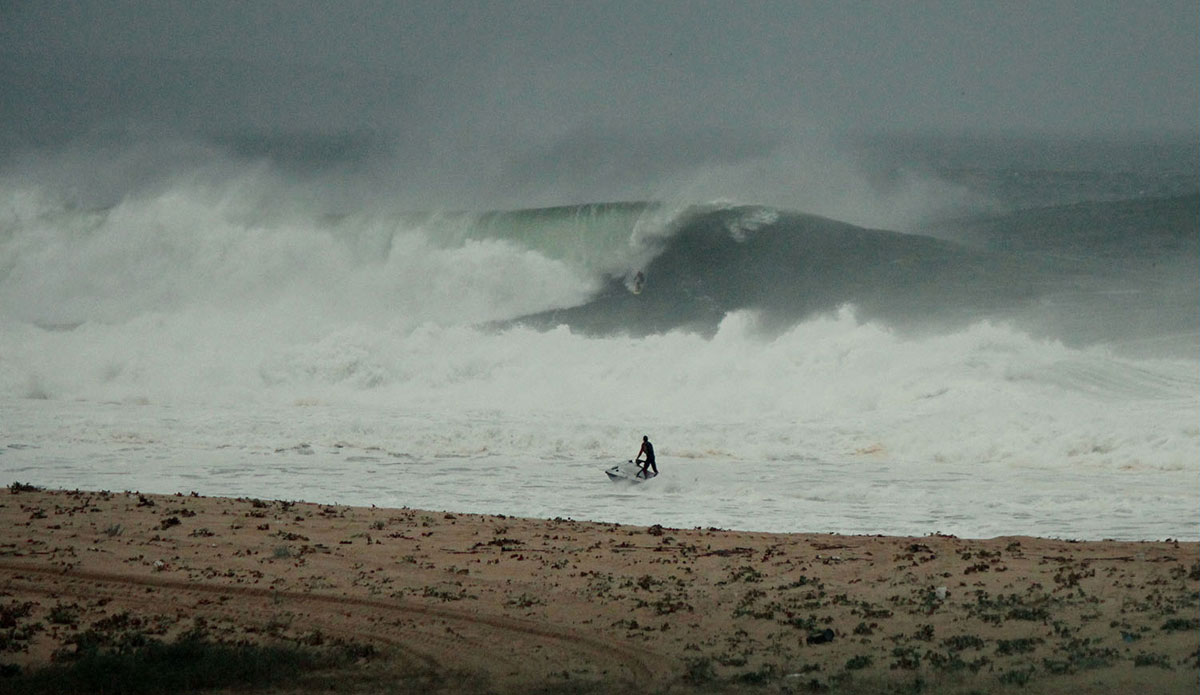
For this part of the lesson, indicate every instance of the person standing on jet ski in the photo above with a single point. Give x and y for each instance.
(647, 450)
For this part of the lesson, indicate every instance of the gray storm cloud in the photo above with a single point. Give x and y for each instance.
(553, 101)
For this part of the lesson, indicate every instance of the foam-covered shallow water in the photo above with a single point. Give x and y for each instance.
(835, 426)
(292, 452)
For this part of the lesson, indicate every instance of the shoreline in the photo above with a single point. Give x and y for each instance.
(506, 604)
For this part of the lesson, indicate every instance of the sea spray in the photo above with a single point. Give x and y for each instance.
(796, 372)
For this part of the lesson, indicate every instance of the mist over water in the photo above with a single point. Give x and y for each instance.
(943, 346)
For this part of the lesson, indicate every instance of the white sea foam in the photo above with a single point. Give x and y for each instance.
(185, 342)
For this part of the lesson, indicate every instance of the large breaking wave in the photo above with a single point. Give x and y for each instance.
(207, 334)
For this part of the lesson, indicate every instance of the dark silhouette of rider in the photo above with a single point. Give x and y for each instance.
(647, 450)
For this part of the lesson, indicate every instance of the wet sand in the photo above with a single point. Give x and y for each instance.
(464, 602)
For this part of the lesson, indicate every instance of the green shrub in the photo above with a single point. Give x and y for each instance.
(1182, 625)
(154, 668)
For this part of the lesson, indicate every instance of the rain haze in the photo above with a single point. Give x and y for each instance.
(477, 104)
(857, 267)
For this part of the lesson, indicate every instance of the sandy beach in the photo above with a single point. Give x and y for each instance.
(431, 601)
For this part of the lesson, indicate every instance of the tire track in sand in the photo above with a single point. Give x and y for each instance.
(440, 638)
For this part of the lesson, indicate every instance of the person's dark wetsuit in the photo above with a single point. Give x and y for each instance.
(647, 450)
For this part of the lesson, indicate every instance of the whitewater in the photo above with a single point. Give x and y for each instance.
(796, 373)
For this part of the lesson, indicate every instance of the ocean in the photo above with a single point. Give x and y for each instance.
(978, 338)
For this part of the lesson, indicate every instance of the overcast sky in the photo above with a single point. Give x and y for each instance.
(532, 87)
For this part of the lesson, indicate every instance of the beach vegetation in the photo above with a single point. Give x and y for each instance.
(1082, 656)
(744, 573)
(504, 544)
(1003, 607)
(800, 581)
(313, 638)
(759, 676)
(1182, 625)
(666, 604)
(866, 682)
(15, 630)
(525, 600)
(1021, 645)
(958, 643)
(1149, 659)
(870, 611)
(950, 662)
(698, 670)
(278, 624)
(601, 585)
(803, 623)
(747, 606)
(450, 592)
(150, 667)
(646, 582)
(1017, 676)
(1068, 578)
(60, 614)
(13, 612)
(906, 658)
